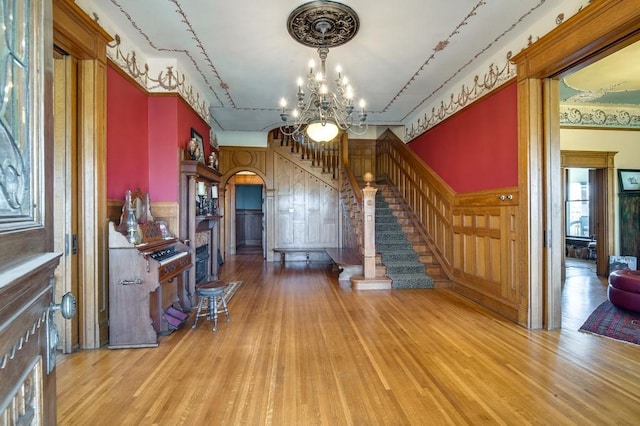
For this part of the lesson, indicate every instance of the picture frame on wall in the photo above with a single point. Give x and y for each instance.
(629, 181)
(199, 143)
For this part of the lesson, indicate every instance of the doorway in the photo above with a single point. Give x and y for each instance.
(249, 218)
(65, 189)
(588, 205)
(245, 212)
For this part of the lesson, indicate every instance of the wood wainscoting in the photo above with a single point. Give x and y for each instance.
(473, 235)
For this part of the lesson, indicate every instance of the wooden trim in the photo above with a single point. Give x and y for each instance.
(591, 159)
(584, 38)
(601, 28)
(75, 33)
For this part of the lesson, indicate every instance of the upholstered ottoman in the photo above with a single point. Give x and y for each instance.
(624, 289)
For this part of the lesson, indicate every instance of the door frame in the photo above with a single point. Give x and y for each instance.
(65, 172)
(75, 33)
(601, 28)
(602, 161)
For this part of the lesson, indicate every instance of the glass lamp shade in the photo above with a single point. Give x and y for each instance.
(322, 132)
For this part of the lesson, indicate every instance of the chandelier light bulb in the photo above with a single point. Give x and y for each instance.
(283, 103)
(295, 113)
(345, 80)
(338, 70)
(323, 89)
(299, 82)
(312, 65)
(362, 104)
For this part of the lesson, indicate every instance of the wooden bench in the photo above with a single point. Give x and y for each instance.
(348, 261)
(307, 251)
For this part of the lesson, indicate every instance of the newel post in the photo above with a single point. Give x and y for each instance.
(369, 221)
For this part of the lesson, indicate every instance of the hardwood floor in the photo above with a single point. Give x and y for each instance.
(303, 350)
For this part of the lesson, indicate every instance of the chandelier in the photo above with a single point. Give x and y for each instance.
(321, 112)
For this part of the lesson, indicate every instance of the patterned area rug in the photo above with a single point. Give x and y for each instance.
(615, 323)
(231, 289)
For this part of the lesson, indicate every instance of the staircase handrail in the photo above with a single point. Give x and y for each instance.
(429, 199)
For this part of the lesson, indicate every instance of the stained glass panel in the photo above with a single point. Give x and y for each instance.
(16, 146)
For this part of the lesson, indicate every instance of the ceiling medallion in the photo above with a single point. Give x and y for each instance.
(321, 112)
(323, 23)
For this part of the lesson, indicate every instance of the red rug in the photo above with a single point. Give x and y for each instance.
(615, 323)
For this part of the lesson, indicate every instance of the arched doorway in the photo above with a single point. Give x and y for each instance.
(245, 202)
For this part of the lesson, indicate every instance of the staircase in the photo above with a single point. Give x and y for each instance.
(406, 257)
(401, 253)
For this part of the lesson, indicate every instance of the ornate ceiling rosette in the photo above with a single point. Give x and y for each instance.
(323, 23)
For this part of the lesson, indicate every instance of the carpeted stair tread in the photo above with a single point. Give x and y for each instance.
(399, 256)
(406, 268)
(412, 281)
(394, 236)
(402, 263)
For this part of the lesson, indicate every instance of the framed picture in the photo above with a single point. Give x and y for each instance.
(199, 145)
(629, 180)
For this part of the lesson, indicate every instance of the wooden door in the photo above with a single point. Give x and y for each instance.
(27, 257)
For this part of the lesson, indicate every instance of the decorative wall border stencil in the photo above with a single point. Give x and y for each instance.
(600, 117)
(170, 80)
(496, 76)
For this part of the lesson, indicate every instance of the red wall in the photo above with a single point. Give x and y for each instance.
(144, 133)
(476, 149)
(127, 136)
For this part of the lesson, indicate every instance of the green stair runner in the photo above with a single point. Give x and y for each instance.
(402, 262)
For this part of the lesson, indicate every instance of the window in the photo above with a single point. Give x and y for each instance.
(577, 207)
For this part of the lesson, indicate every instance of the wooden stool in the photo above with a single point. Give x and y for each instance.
(212, 291)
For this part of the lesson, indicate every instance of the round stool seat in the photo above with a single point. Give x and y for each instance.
(211, 288)
(215, 284)
(624, 289)
(211, 291)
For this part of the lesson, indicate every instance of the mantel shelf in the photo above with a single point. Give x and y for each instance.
(199, 169)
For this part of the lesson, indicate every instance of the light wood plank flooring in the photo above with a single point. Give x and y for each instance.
(303, 350)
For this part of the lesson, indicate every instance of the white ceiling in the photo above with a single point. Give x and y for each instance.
(241, 56)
